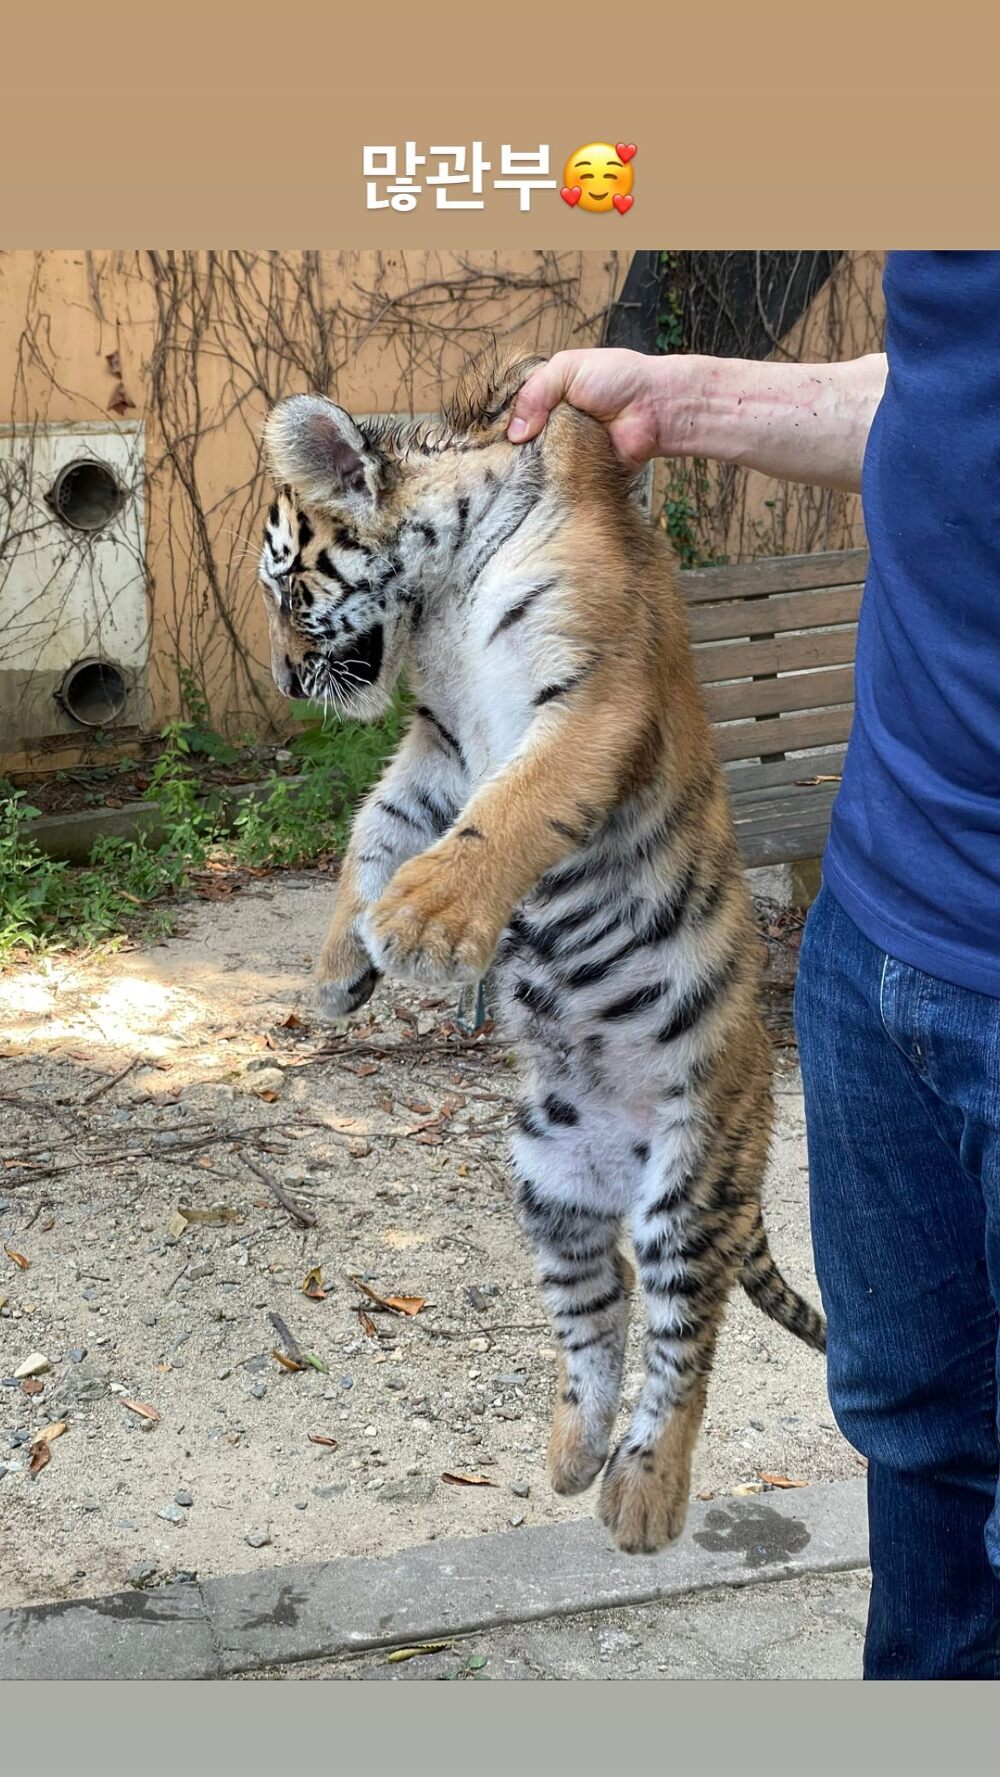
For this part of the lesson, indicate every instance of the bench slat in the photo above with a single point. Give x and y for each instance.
(780, 830)
(742, 778)
(739, 660)
(780, 845)
(786, 573)
(757, 617)
(788, 804)
(787, 734)
(774, 642)
(776, 697)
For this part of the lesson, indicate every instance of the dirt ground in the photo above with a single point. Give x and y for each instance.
(189, 1073)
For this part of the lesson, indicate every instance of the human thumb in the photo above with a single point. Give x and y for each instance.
(535, 401)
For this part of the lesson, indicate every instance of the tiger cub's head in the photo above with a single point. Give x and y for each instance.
(368, 517)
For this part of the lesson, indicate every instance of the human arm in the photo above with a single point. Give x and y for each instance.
(796, 422)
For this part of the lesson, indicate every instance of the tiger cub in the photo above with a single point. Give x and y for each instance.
(557, 810)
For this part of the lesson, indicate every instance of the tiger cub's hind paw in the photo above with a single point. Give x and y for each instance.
(577, 1452)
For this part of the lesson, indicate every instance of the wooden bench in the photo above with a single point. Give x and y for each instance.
(774, 644)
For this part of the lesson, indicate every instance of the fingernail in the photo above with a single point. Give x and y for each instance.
(517, 430)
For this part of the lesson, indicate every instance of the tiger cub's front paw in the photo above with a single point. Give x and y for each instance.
(433, 923)
(345, 976)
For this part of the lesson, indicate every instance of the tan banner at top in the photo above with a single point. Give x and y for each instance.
(598, 128)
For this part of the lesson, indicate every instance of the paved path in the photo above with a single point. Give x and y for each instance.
(792, 1629)
(555, 1576)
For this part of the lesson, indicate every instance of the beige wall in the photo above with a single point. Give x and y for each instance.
(197, 345)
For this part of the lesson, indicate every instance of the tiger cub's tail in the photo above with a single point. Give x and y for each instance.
(770, 1293)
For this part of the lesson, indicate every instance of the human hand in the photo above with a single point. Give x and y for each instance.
(621, 389)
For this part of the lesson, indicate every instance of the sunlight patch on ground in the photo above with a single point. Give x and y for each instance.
(130, 1010)
(126, 1014)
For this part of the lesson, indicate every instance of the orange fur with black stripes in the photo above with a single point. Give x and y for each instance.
(556, 813)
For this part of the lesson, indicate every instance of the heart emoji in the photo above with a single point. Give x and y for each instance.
(625, 150)
(571, 194)
(622, 204)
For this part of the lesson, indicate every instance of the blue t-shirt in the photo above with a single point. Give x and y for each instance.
(914, 848)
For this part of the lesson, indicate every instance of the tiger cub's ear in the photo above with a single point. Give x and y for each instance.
(316, 448)
(487, 390)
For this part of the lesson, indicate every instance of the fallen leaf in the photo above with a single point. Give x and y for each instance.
(292, 1022)
(41, 1456)
(48, 1226)
(268, 1095)
(367, 1324)
(32, 1385)
(470, 1480)
(177, 1224)
(398, 1304)
(365, 1071)
(218, 1214)
(312, 1285)
(411, 1653)
(143, 1408)
(418, 1107)
(287, 1363)
(315, 1363)
(19, 1259)
(780, 1480)
(318, 1437)
(49, 1433)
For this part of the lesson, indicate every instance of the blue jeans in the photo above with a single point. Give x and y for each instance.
(902, 1089)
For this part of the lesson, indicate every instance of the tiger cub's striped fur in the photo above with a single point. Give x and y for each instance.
(556, 808)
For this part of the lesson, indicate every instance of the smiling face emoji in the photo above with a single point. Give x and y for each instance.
(600, 174)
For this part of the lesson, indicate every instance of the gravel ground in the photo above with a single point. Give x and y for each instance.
(188, 1073)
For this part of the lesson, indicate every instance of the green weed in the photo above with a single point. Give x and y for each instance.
(46, 903)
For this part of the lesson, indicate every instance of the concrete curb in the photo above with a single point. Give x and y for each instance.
(326, 1610)
(72, 836)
